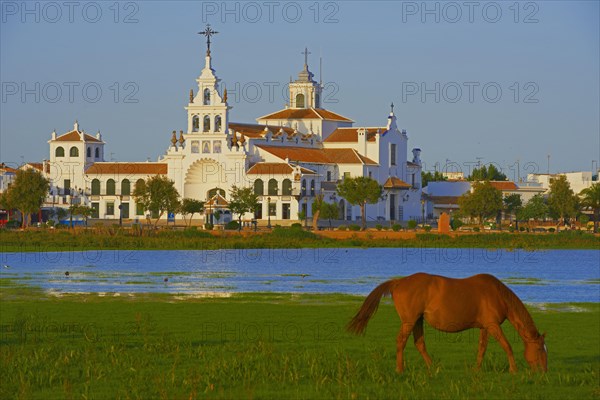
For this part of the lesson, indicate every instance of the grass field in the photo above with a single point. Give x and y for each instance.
(267, 346)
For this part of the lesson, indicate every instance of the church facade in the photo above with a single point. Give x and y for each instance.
(289, 157)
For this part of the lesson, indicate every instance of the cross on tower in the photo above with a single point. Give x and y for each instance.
(208, 32)
(392, 107)
(306, 53)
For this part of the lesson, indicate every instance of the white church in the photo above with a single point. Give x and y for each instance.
(289, 157)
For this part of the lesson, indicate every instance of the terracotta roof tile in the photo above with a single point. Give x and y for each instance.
(504, 185)
(318, 156)
(74, 136)
(306, 113)
(350, 135)
(393, 182)
(123, 168)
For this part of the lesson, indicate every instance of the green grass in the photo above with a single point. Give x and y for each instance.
(64, 240)
(267, 345)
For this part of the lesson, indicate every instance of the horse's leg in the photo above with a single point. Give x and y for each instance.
(405, 330)
(496, 331)
(419, 337)
(483, 342)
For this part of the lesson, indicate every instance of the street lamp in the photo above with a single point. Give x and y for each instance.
(423, 212)
(269, 212)
(306, 213)
(120, 211)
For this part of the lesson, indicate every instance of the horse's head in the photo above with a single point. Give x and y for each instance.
(536, 353)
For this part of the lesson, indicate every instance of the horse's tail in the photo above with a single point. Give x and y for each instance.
(358, 324)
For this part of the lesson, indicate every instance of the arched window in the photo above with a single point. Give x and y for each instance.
(89, 152)
(125, 187)
(218, 123)
(303, 187)
(60, 152)
(206, 96)
(312, 187)
(286, 187)
(95, 187)
(74, 152)
(97, 152)
(317, 101)
(110, 187)
(195, 124)
(259, 187)
(272, 187)
(206, 123)
(139, 183)
(299, 100)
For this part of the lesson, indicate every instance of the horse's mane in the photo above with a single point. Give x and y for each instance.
(518, 315)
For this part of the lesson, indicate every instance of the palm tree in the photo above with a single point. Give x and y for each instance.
(590, 198)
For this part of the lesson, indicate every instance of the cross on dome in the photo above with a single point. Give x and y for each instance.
(208, 32)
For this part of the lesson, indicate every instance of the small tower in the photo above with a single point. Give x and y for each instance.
(305, 92)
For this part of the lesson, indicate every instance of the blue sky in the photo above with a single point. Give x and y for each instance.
(495, 81)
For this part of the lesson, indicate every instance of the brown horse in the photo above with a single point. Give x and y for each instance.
(454, 305)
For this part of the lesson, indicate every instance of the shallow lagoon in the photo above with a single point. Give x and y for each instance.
(549, 276)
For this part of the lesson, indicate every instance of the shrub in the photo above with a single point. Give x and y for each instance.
(396, 227)
(511, 229)
(378, 227)
(412, 224)
(232, 226)
(427, 228)
(292, 233)
(208, 226)
(552, 230)
(296, 225)
(342, 228)
(583, 219)
(455, 224)
(13, 223)
(354, 227)
(193, 232)
(521, 229)
(476, 229)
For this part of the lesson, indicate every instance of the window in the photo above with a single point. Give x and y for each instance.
(124, 210)
(392, 153)
(110, 187)
(370, 174)
(285, 211)
(139, 183)
(218, 123)
(312, 187)
(74, 152)
(206, 123)
(59, 152)
(259, 188)
(258, 214)
(299, 100)
(328, 176)
(286, 188)
(125, 187)
(272, 187)
(205, 146)
(97, 153)
(272, 209)
(95, 187)
(95, 210)
(347, 175)
(89, 152)
(303, 187)
(110, 208)
(412, 181)
(216, 146)
(317, 100)
(139, 209)
(206, 97)
(195, 124)
(195, 146)
(67, 186)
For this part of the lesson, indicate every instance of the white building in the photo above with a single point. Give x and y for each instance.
(577, 180)
(288, 156)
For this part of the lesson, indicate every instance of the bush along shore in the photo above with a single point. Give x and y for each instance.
(278, 237)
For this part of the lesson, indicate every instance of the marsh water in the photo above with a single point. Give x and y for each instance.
(538, 276)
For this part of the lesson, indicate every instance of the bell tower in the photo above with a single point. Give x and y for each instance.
(305, 92)
(208, 111)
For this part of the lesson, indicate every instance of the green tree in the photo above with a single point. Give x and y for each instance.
(360, 191)
(536, 209)
(512, 205)
(489, 173)
(243, 200)
(158, 195)
(329, 211)
(561, 199)
(26, 193)
(484, 201)
(191, 206)
(590, 198)
(427, 177)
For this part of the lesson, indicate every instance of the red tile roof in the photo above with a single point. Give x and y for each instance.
(5, 169)
(306, 113)
(393, 182)
(504, 185)
(74, 136)
(318, 156)
(349, 135)
(265, 168)
(123, 168)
